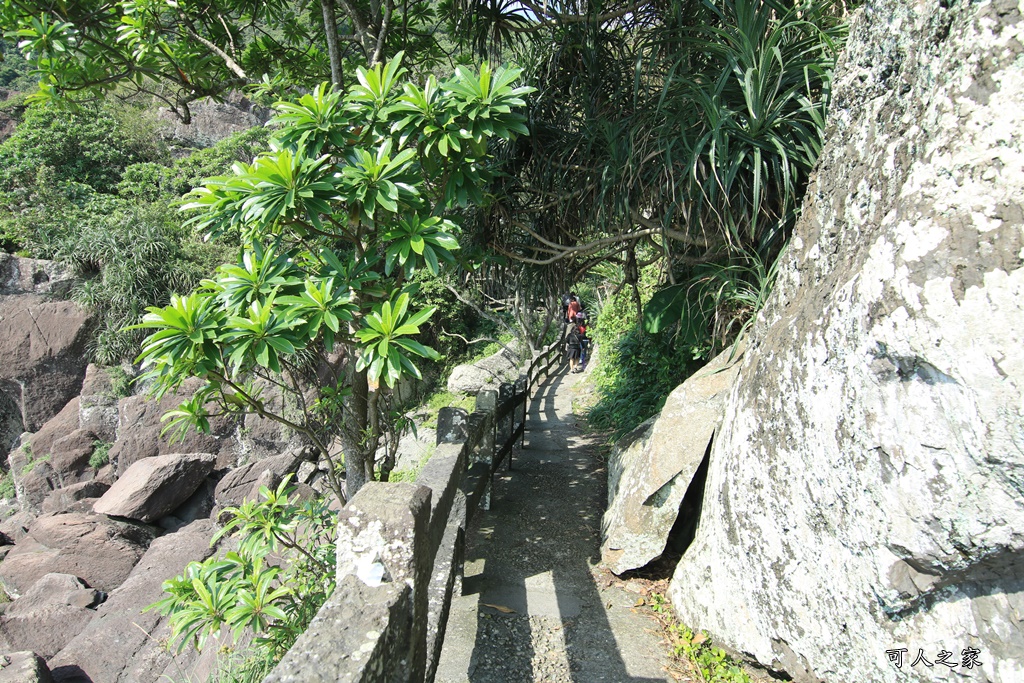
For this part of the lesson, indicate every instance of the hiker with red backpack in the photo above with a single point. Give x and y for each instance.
(572, 308)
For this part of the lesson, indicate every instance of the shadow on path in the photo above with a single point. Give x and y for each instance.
(532, 608)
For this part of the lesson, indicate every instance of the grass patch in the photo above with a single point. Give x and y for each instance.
(444, 399)
(412, 473)
(7, 487)
(100, 454)
(694, 656)
(32, 462)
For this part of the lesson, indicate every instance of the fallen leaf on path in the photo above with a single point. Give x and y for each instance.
(639, 602)
(500, 608)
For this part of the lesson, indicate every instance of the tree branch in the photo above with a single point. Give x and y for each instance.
(231, 64)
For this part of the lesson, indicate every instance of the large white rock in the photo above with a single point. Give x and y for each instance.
(650, 470)
(865, 493)
(470, 378)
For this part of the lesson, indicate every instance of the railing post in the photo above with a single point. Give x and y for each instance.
(506, 392)
(452, 426)
(384, 531)
(523, 390)
(487, 403)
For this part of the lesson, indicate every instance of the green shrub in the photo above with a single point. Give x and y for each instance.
(120, 381)
(91, 146)
(244, 591)
(7, 486)
(637, 370)
(100, 454)
(15, 72)
(132, 257)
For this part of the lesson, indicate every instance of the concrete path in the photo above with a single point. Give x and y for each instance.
(535, 605)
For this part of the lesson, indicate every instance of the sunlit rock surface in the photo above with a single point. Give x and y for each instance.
(865, 493)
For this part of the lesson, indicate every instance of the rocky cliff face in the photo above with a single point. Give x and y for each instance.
(214, 121)
(42, 345)
(864, 498)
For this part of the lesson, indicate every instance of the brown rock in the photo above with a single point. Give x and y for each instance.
(48, 616)
(243, 483)
(139, 428)
(153, 487)
(69, 456)
(43, 344)
(24, 667)
(62, 499)
(34, 478)
(15, 527)
(97, 410)
(123, 644)
(62, 424)
(98, 550)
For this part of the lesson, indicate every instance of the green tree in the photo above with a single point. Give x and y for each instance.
(183, 51)
(358, 192)
(677, 133)
(250, 589)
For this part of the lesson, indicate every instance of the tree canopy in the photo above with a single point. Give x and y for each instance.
(358, 192)
(181, 51)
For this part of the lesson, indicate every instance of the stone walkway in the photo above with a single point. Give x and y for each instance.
(535, 606)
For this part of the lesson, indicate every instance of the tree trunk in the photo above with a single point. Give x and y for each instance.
(331, 32)
(354, 439)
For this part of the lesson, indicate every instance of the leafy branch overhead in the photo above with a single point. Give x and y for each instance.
(181, 51)
(357, 193)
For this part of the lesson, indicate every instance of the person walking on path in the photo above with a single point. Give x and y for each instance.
(573, 348)
(573, 309)
(581, 329)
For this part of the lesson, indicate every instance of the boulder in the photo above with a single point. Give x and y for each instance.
(59, 426)
(864, 496)
(470, 378)
(51, 459)
(43, 344)
(123, 644)
(97, 407)
(48, 615)
(23, 667)
(652, 468)
(139, 427)
(20, 275)
(153, 487)
(99, 550)
(34, 477)
(69, 456)
(197, 506)
(243, 483)
(16, 527)
(213, 121)
(63, 499)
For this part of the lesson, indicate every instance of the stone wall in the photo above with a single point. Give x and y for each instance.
(864, 497)
(400, 553)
